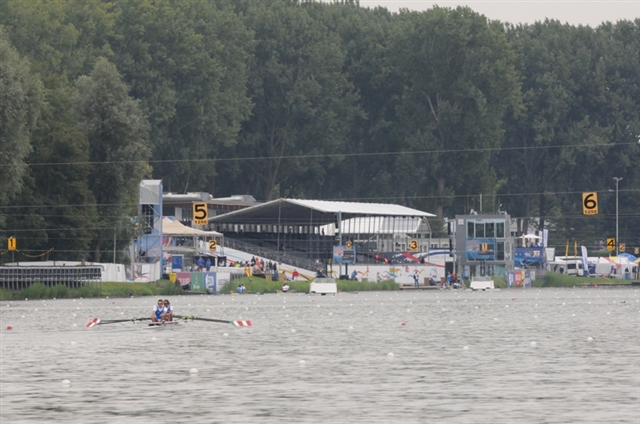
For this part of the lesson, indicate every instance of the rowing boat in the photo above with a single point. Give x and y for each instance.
(164, 324)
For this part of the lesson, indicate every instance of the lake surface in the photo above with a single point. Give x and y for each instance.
(510, 356)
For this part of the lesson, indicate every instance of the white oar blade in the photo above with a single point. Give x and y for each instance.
(242, 323)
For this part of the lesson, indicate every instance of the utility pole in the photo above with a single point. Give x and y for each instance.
(617, 180)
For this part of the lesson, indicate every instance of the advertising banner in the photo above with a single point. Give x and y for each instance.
(210, 282)
(528, 256)
(342, 255)
(197, 282)
(184, 279)
(176, 262)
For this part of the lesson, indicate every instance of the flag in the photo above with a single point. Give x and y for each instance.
(585, 264)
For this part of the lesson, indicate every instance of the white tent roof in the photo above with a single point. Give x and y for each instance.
(359, 208)
(172, 227)
(313, 212)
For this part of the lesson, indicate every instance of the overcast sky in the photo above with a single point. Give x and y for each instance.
(589, 12)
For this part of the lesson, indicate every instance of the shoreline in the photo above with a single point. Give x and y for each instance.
(262, 286)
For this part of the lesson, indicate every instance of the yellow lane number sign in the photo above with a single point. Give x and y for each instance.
(200, 214)
(611, 244)
(413, 245)
(590, 203)
(12, 243)
(212, 245)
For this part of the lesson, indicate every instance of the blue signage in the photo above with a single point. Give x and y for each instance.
(481, 249)
(528, 256)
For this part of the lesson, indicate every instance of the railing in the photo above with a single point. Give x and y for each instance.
(19, 277)
(271, 254)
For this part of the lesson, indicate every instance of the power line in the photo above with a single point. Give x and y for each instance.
(334, 155)
(346, 199)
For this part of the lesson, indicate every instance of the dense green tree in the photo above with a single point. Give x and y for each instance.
(459, 80)
(20, 103)
(367, 172)
(303, 104)
(579, 106)
(186, 62)
(117, 132)
(62, 38)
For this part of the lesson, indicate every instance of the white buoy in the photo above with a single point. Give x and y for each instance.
(74, 315)
(283, 307)
(73, 343)
(589, 339)
(287, 315)
(301, 362)
(350, 328)
(153, 339)
(450, 322)
(226, 334)
(408, 310)
(66, 382)
(390, 355)
(75, 325)
(293, 330)
(533, 344)
(370, 312)
(193, 371)
(465, 348)
(330, 313)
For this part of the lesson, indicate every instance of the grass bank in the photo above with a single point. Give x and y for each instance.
(553, 279)
(60, 291)
(260, 285)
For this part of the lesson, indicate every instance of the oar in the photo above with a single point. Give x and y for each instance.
(236, 323)
(97, 321)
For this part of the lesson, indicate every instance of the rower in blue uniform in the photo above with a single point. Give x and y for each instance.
(158, 311)
(168, 311)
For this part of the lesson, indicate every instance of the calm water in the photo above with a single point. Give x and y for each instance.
(128, 373)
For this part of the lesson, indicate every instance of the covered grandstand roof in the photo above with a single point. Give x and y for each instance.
(301, 212)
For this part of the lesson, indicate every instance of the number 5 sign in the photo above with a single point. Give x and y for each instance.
(200, 214)
(590, 203)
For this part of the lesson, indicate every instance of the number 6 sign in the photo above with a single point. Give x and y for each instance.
(590, 203)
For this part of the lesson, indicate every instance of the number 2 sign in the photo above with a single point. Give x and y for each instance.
(590, 203)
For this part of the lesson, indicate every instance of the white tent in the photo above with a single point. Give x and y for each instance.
(172, 227)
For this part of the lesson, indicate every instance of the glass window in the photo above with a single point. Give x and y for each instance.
(490, 230)
(500, 251)
(500, 229)
(471, 229)
(479, 229)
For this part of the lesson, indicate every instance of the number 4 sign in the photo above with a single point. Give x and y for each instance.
(590, 203)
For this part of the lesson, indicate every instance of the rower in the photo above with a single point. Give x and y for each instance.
(168, 311)
(158, 311)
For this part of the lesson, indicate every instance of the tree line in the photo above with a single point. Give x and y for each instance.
(442, 110)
